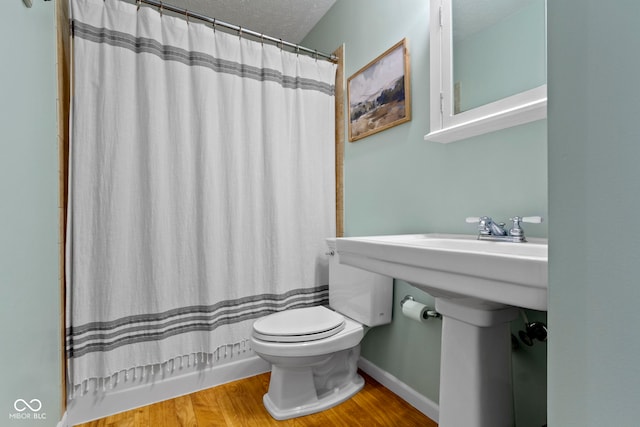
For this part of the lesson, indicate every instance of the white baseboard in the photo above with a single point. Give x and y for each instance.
(412, 397)
(95, 405)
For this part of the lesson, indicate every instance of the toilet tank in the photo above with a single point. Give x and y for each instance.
(361, 295)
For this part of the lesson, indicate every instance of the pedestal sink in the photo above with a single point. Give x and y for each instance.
(477, 286)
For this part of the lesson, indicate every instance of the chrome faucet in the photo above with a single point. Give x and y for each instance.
(490, 230)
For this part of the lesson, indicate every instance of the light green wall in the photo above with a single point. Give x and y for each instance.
(594, 200)
(395, 182)
(29, 290)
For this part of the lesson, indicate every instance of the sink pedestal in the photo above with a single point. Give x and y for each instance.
(475, 370)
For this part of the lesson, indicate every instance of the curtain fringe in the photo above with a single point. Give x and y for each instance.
(152, 371)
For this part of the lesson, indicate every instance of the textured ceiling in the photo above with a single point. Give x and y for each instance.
(289, 20)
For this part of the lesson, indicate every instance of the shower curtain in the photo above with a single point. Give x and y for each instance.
(201, 190)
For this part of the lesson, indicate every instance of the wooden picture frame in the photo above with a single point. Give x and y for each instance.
(379, 94)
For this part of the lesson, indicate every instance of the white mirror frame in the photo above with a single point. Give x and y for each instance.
(447, 127)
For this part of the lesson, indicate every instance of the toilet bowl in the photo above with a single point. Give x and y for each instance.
(309, 376)
(314, 351)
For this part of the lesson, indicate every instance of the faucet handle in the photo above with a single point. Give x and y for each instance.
(478, 220)
(484, 224)
(516, 231)
(531, 219)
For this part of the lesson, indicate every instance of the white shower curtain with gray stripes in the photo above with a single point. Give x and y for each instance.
(201, 189)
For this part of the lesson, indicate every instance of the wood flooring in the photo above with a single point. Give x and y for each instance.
(239, 404)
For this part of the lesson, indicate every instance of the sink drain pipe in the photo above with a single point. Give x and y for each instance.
(533, 331)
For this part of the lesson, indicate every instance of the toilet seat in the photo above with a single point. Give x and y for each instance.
(299, 325)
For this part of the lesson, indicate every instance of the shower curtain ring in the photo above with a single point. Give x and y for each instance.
(138, 3)
(214, 25)
(316, 55)
(239, 32)
(281, 44)
(161, 9)
(297, 50)
(186, 13)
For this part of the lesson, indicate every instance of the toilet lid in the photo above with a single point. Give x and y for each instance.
(298, 325)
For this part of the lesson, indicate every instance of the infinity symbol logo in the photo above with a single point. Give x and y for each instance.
(21, 405)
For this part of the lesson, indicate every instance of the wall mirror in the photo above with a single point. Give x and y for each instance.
(488, 66)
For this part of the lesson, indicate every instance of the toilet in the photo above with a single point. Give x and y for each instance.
(314, 351)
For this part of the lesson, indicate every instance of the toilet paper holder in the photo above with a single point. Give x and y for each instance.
(426, 314)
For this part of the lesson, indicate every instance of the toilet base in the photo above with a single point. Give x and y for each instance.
(295, 391)
(319, 405)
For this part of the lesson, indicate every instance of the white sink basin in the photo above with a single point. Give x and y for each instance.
(476, 273)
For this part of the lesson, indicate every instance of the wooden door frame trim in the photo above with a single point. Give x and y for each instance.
(63, 52)
(340, 134)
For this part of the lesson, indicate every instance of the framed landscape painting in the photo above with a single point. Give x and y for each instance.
(378, 94)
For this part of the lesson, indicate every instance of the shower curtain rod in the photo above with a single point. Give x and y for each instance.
(241, 31)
